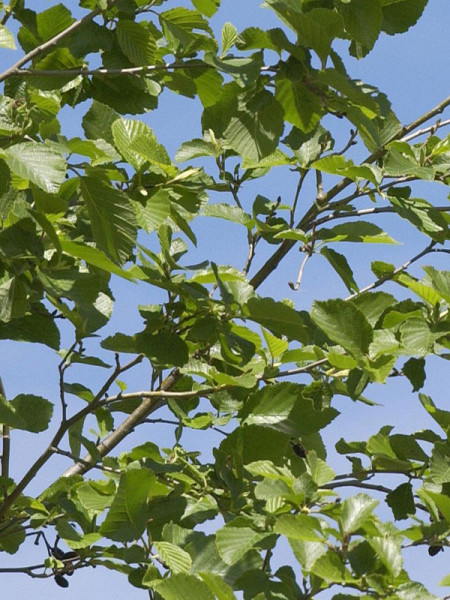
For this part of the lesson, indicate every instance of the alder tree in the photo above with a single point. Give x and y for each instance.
(251, 370)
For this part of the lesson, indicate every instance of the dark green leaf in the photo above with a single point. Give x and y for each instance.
(401, 500)
(26, 411)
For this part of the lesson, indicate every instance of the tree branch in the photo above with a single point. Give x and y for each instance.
(102, 72)
(61, 431)
(147, 407)
(15, 68)
(305, 222)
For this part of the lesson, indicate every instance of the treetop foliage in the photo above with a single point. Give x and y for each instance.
(76, 213)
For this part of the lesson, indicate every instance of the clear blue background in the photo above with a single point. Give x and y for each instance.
(413, 69)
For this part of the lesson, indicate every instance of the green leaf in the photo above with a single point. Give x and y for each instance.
(176, 559)
(440, 281)
(360, 231)
(414, 369)
(52, 21)
(112, 218)
(94, 257)
(229, 36)
(233, 542)
(6, 38)
(194, 149)
(275, 345)
(163, 348)
(207, 7)
(388, 551)
(127, 518)
(342, 268)
(137, 143)
(344, 324)
(399, 16)
(255, 132)
(420, 213)
(27, 412)
(217, 585)
(37, 163)
(40, 329)
(299, 527)
(276, 316)
(362, 20)
(401, 500)
(154, 211)
(98, 120)
(235, 214)
(320, 472)
(301, 106)
(355, 512)
(329, 567)
(136, 42)
(284, 407)
(181, 586)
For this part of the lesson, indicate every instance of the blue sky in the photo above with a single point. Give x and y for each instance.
(413, 70)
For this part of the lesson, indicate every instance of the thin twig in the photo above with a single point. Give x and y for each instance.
(431, 129)
(389, 276)
(357, 483)
(172, 422)
(78, 459)
(367, 211)
(63, 365)
(15, 68)
(309, 250)
(6, 440)
(161, 394)
(303, 174)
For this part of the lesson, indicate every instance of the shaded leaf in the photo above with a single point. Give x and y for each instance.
(27, 412)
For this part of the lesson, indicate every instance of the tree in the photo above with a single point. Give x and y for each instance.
(80, 213)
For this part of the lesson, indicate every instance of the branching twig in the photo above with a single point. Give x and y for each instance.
(61, 431)
(15, 68)
(305, 222)
(431, 129)
(148, 406)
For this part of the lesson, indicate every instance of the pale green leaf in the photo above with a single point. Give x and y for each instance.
(6, 38)
(389, 552)
(355, 512)
(176, 559)
(181, 586)
(299, 527)
(38, 163)
(233, 542)
(229, 36)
